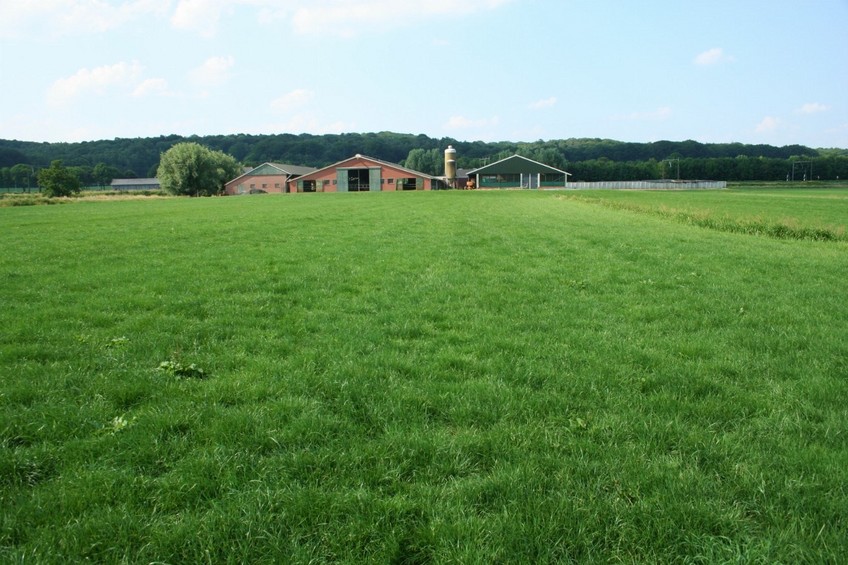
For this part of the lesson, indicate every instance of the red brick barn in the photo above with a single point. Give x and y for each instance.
(268, 177)
(361, 173)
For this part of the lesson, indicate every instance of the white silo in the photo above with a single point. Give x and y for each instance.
(450, 166)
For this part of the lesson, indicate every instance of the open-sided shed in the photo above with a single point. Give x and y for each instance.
(518, 172)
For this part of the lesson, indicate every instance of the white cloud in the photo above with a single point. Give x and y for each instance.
(712, 56)
(461, 122)
(544, 103)
(813, 108)
(201, 16)
(96, 81)
(213, 72)
(291, 100)
(152, 87)
(347, 19)
(21, 18)
(768, 124)
(71, 17)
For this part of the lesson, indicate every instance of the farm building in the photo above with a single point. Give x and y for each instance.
(268, 177)
(361, 173)
(518, 172)
(135, 184)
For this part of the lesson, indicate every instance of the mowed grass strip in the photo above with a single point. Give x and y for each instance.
(472, 377)
(769, 210)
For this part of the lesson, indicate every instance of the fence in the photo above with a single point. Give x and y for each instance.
(650, 185)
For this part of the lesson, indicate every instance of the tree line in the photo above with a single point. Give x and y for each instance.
(98, 162)
(24, 176)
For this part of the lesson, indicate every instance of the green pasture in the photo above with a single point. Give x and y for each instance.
(473, 377)
(795, 213)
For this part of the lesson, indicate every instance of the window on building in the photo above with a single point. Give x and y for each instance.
(407, 183)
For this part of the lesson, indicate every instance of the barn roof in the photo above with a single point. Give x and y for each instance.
(275, 169)
(341, 164)
(515, 165)
(293, 169)
(135, 182)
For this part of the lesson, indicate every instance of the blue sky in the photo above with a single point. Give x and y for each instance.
(752, 71)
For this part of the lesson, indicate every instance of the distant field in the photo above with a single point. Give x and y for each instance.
(425, 377)
(811, 213)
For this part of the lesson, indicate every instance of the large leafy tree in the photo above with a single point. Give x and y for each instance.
(429, 161)
(58, 180)
(103, 174)
(194, 170)
(21, 175)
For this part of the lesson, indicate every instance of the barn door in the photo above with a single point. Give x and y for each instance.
(374, 179)
(343, 180)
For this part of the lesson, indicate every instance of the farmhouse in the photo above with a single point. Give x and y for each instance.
(267, 177)
(135, 184)
(361, 173)
(518, 172)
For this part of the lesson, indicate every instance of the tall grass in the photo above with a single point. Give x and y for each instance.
(417, 377)
(817, 214)
(36, 198)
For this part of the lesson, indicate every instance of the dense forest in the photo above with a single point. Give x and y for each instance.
(98, 162)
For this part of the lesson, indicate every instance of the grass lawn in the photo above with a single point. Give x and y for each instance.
(453, 376)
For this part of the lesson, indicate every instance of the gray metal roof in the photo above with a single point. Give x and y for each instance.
(377, 161)
(298, 170)
(135, 182)
(287, 170)
(514, 165)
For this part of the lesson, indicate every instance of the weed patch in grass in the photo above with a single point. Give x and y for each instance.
(177, 369)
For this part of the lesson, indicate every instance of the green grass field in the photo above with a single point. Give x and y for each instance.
(770, 209)
(469, 377)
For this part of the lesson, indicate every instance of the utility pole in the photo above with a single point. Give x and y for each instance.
(678, 165)
(804, 169)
